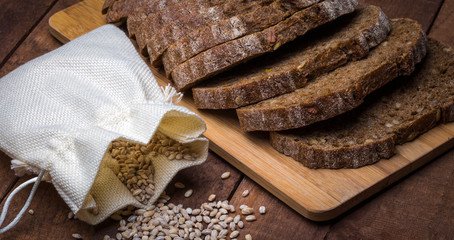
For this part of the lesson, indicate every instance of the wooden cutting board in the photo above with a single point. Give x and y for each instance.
(316, 194)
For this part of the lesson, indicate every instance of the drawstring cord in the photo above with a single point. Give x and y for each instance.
(171, 95)
(35, 180)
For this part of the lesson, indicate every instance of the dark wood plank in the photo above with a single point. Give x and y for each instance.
(16, 20)
(7, 176)
(423, 11)
(418, 207)
(442, 28)
(279, 221)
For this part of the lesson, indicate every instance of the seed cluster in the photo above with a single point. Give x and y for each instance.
(134, 166)
(166, 220)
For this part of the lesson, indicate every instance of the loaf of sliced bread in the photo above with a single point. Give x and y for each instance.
(140, 14)
(393, 115)
(155, 22)
(348, 38)
(342, 89)
(229, 54)
(229, 29)
(159, 42)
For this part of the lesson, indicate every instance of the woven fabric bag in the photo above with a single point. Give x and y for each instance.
(60, 112)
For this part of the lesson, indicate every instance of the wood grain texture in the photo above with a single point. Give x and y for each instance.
(316, 194)
(7, 178)
(16, 19)
(423, 11)
(279, 221)
(419, 207)
(442, 28)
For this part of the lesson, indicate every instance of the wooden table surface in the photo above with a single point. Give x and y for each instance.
(419, 206)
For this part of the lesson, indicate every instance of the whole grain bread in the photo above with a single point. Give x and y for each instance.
(229, 54)
(342, 89)
(165, 37)
(393, 115)
(229, 29)
(347, 39)
(155, 22)
(139, 15)
(106, 5)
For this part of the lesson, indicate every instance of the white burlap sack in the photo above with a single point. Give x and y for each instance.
(60, 112)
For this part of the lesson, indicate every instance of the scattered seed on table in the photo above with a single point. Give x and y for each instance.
(225, 175)
(234, 234)
(250, 218)
(31, 212)
(188, 193)
(247, 211)
(179, 185)
(70, 215)
(76, 236)
(248, 237)
(211, 197)
(245, 193)
(262, 210)
(240, 224)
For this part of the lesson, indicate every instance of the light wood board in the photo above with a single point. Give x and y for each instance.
(316, 194)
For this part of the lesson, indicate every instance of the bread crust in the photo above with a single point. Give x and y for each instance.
(289, 70)
(230, 29)
(231, 53)
(165, 37)
(140, 14)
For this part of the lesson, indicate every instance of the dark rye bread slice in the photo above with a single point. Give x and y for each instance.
(229, 29)
(106, 5)
(159, 42)
(347, 39)
(154, 22)
(229, 54)
(342, 89)
(140, 14)
(395, 114)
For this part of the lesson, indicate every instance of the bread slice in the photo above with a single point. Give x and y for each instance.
(140, 14)
(229, 29)
(393, 115)
(346, 39)
(229, 54)
(106, 5)
(165, 37)
(154, 22)
(342, 89)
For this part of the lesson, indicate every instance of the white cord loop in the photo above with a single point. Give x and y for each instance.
(36, 181)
